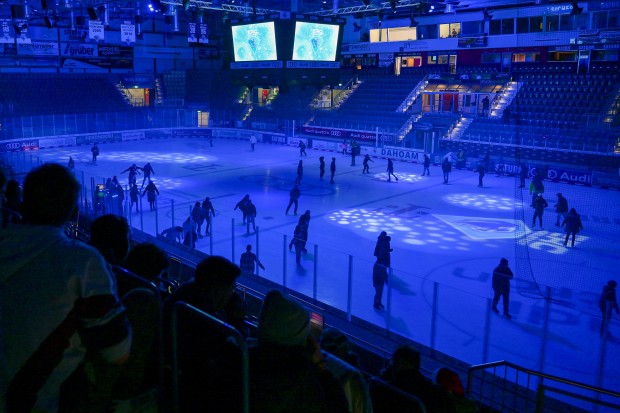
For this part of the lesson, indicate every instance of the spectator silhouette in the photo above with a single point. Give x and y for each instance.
(404, 372)
(110, 234)
(57, 299)
(287, 369)
(337, 354)
(455, 393)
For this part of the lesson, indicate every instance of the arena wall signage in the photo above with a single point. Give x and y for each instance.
(19, 145)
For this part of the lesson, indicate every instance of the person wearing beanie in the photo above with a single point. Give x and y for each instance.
(283, 321)
(607, 303)
(287, 368)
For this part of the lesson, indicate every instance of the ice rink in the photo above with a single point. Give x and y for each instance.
(447, 239)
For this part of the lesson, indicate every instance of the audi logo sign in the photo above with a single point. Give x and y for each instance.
(19, 146)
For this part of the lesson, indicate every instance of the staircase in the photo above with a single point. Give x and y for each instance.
(459, 129)
(410, 100)
(504, 99)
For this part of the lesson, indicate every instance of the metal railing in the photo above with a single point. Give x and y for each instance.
(508, 387)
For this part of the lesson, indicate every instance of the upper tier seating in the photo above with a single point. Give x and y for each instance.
(373, 104)
(53, 93)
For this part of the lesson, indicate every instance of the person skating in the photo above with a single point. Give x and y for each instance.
(189, 232)
(253, 141)
(298, 242)
(304, 224)
(250, 216)
(321, 167)
(148, 171)
(209, 213)
(293, 199)
(607, 303)
(390, 170)
(460, 159)
(354, 151)
(302, 148)
(502, 275)
(561, 208)
(133, 172)
(367, 159)
(248, 259)
(383, 249)
(304, 220)
(95, 151)
(481, 171)
(134, 193)
(536, 187)
(379, 279)
(332, 169)
(300, 172)
(523, 172)
(242, 205)
(573, 225)
(539, 205)
(71, 164)
(446, 167)
(152, 192)
(198, 217)
(427, 164)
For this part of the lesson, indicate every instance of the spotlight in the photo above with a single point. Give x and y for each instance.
(393, 4)
(186, 4)
(576, 9)
(155, 6)
(380, 16)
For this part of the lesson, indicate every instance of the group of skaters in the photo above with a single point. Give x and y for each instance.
(191, 230)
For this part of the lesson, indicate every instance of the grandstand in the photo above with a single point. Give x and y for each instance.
(548, 70)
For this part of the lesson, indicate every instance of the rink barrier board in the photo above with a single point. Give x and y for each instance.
(554, 174)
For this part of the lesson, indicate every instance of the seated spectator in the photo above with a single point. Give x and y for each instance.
(212, 291)
(451, 382)
(404, 372)
(57, 300)
(336, 344)
(287, 369)
(150, 262)
(110, 234)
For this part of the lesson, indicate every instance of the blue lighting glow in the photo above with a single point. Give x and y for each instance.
(483, 202)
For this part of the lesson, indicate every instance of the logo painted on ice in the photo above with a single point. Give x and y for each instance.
(485, 228)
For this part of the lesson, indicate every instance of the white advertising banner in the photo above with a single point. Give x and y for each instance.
(128, 33)
(96, 30)
(6, 31)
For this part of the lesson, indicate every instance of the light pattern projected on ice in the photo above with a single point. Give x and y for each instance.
(483, 202)
(315, 41)
(254, 42)
(419, 228)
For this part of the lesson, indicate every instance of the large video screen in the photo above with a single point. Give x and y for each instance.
(315, 41)
(254, 42)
